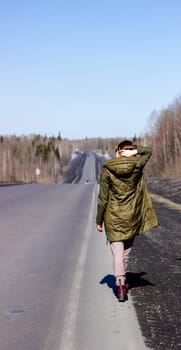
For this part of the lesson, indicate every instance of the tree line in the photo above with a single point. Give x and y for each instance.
(33, 158)
(164, 137)
(21, 157)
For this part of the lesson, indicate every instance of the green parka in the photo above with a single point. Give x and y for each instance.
(124, 203)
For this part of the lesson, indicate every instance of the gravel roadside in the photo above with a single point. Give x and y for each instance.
(155, 270)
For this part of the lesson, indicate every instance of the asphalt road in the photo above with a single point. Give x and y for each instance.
(41, 230)
(56, 281)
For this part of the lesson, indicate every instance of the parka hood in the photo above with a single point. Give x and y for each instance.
(121, 167)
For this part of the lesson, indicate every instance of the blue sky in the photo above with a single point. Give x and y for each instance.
(87, 68)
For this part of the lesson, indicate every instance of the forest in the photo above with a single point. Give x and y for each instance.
(37, 158)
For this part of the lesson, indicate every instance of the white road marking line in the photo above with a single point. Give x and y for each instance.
(68, 334)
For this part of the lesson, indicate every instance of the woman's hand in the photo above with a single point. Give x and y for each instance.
(128, 152)
(100, 228)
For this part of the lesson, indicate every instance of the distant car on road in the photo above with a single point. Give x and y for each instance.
(87, 182)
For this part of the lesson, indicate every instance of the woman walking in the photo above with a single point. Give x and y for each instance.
(124, 206)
